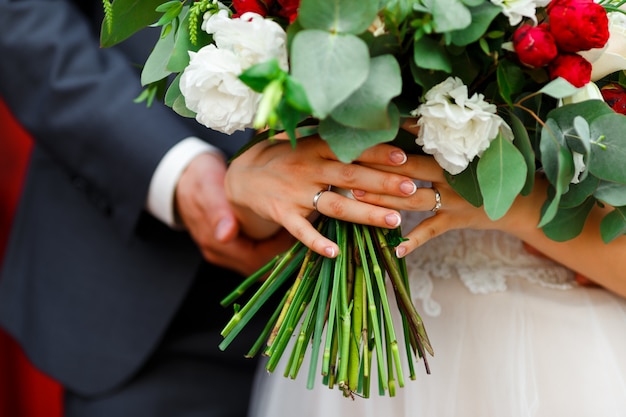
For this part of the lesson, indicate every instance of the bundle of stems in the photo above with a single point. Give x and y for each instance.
(340, 308)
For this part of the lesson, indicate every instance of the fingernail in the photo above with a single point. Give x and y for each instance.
(393, 220)
(330, 252)
(358, 193)
(223, 229)
(408, 187)
(398, 157)
(400, 251)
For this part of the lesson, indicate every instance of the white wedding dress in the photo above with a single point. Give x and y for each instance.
(513, 335)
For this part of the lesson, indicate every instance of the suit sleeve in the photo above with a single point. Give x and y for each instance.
(76, 100)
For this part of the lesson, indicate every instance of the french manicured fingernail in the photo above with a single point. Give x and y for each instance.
(400, 251)
(223, 229)
(358, 193)
(393, 220)
(330, 252)
(398, 157)
(408, 187)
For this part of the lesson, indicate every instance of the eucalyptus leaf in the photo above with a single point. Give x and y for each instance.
(511, 80)
(608, 155)
(180, 107)
(501, 174)
(611, 193)
(556, 159)
(431, 55)
(155, 68)
(367, 107)
(338, 16)
(613, 225)
(317, 54)
(348, 143)
(559, 88)
(448, 15)
(173, 91)
(522, 142)
(568, 222)
(578, 193)
(483, 13)
(466, 184)
(129, 17)
(180, 54)
(563, 169)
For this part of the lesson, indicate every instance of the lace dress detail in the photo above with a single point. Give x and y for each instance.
(482, 259)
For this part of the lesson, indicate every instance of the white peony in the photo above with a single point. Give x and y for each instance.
(516, 10)
(251, 37)
(213, 90)
(455, 128)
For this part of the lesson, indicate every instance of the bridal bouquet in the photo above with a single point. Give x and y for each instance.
(499, 90)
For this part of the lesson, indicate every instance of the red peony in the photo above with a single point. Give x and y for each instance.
(535, 45)
(615, 96)
(289, 9)
(578, 25)
(573, 67)
(256, 6)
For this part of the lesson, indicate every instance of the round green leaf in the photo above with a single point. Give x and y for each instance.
(611, 193)
(568, 222)
(367, 107)
(466, 184)
(348, 143)
(608, 156)
(338, 16)
(330, 67)
(613, 225)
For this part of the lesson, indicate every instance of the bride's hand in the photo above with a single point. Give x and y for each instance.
(274, 184)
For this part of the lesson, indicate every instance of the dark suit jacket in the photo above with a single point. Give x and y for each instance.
(90, 281)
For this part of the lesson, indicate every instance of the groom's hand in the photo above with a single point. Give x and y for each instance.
(203, 209)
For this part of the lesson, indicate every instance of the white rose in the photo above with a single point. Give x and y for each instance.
(516, 10)
(213, 90)
(455, 128)
(252, 37)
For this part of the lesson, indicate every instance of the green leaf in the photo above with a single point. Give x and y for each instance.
(180, 54)
(568, 222)
(482, 16)
(608, 154)
(448, 15)
(155, 68)
(431, 55)
(367, 107)
(258, 76)
(564, 168)
(180, 107)
(348, 143)
(611, 193)
(613, 225)
(522, 142)
(578, 193)
(296, 96)
(316, 55)
(173, 91)
(501, 174)
(511, 80)
(466, 184)
(338, 16)
(129, 17)
(559, 88)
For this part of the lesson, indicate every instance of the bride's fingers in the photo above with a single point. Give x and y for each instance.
(422, 233)
(423, 199)
(303, 230)
(344, 208)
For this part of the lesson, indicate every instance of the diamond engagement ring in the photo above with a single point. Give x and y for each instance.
(437, 200)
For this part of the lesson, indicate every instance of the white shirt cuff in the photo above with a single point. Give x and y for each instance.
(160, 202)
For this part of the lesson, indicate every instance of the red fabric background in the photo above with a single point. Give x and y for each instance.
(24, 391)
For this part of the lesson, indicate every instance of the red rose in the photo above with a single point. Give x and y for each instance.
(615, 97)
(578, 25)
(573, 67)
(257, 6)
(289, 9)
(535, 45)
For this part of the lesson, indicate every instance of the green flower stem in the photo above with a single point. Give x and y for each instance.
(371, 304)
(266, 330)
(392, 343)
(252, 279)
(322, 301)
(243, 316)
(290, 296)
(357, 330)
(405, 303)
